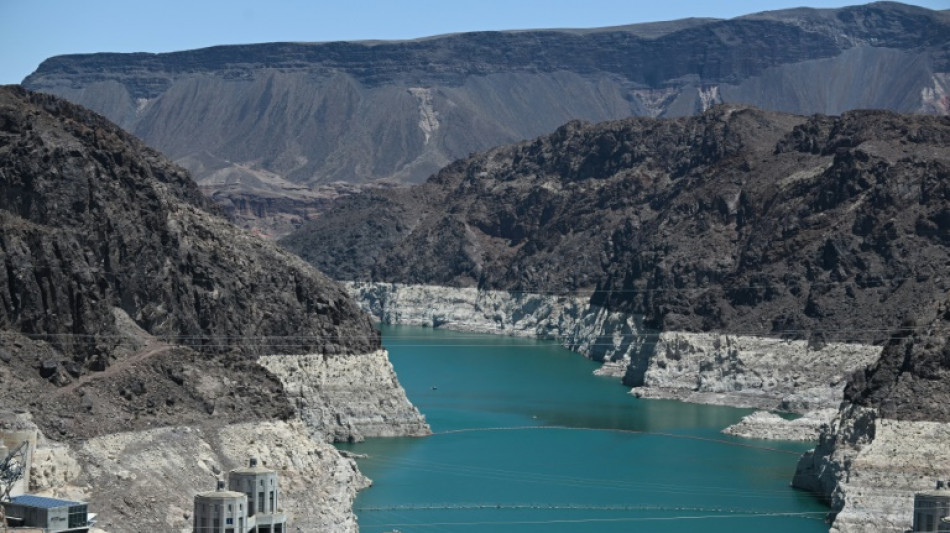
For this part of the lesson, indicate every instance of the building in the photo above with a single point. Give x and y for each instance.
(51, 515)
(263, 496)
(250, 505)
(932, 510)
(221, 511)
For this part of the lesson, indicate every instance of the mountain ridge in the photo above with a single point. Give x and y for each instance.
(740, 221)
(144, 338)
(396, 112)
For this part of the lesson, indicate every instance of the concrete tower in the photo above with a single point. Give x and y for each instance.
(222, 511)
(260, 486)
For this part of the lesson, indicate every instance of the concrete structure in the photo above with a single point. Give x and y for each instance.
(51, 515)
(221, 511)
(263, 497)
(249, 506)
(932, 510)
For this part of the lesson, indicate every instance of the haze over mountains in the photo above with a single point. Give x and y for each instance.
(264, 127)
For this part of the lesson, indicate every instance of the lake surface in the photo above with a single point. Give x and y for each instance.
(527, 440)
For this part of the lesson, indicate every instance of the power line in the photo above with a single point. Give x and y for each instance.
(467, 331)
(807, 514)
(877, 281)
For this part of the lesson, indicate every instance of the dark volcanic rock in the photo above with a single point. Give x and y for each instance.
(264, 120)
(97, 229)
(739, 220)
(95, 220)
(912, 379)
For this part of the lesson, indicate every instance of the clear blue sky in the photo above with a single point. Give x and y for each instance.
(32, 30)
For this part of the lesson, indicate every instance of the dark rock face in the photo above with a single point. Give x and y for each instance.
(739, 220)
(266, 120)
(912, 379)
(96, 226)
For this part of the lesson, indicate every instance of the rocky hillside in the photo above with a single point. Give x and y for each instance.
(828, 228)
(741, 256)
(128, 303)
(263, 126)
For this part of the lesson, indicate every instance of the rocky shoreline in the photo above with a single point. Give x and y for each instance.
(347, 398)
(157, 471)
(867, 468)
(770, 426)
(714, 368)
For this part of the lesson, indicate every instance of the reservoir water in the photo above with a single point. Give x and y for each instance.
(527, 440)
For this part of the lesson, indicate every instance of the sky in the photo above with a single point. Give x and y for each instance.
(33, 30)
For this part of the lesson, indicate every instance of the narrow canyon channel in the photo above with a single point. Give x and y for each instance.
(526, 439)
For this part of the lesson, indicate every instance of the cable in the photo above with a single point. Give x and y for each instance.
(811, 515)
(539, 291)
(466, 334)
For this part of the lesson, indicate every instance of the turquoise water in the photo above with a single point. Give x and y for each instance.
(613, 463)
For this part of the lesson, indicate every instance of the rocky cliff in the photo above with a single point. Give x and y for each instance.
(261, 126)
(127, 303)
(716, 368)
(825, 229)
(741, 257)
(889, 440)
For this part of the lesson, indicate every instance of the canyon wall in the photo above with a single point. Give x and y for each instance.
(868, 467)
(265, 128)
(137, 328)
(716, 368)
(347, 398)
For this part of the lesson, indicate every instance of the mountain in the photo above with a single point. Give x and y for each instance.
(267, 129)
(735, 220)
(139, 327)
(741, 256)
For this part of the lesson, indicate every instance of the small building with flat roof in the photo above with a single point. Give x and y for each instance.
(52, 515)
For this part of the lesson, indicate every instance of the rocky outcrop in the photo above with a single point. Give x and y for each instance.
(748, 371)
(821, 229)
(147, 480)
(260, 121)
(868, 468)
(770, 426)
(713, 368)
(93, 220)
(889, 440)
(132, 319)
(347, 398)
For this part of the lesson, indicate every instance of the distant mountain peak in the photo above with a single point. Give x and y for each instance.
(316, 113)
